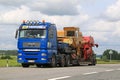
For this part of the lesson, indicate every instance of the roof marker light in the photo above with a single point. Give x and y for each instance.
(27, 22)
(23, 21)
(43, 21)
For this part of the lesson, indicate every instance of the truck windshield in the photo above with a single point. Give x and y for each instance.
(32, 33)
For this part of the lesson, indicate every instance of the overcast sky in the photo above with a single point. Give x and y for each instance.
(98, 18)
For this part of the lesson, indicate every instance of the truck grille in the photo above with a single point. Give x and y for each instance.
(31, 44)
(31, 54)
(31, 58)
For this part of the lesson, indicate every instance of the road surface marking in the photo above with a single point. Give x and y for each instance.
(90, 73)
(109, 70)
(60, 78)
(118, 69)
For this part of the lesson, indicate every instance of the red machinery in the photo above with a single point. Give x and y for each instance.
(87, 46)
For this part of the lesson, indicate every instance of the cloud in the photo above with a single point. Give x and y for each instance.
(25, 13)
(13, 3)
(9, 46)
(7, 40)
(101, 25)
(116, 31)
(48, 10)
(113, 12)
(19, 14)
(15, 15)
(103, 30)
(66, 21)
(54, 7)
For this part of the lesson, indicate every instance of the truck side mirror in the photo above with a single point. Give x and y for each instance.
(16, 34)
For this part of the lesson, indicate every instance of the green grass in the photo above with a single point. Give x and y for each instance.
(99, 61)
(11, 62)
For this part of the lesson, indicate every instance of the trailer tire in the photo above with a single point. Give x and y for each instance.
(53, 61)
(62, 61)
(94, 62)
(25, 65)
(67, 60)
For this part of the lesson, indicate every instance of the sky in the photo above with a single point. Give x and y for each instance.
(97, 18)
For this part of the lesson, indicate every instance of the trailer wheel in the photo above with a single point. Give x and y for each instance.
(67, 60)
(25, 65)
(62, 60)
(94, 62)
(53, 61)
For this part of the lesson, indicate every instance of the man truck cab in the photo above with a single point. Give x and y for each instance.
(37, 43)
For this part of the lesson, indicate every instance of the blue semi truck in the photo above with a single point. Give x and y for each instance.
(38, 44)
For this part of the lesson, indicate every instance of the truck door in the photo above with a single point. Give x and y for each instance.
(52, 40)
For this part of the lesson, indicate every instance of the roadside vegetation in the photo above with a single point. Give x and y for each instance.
(11, 62)
(10, 57)
(109, 56)
(100, 61)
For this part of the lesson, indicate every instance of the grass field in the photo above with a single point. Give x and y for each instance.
(13, 62)
(99, 61)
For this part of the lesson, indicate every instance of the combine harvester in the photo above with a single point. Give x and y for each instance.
(80, 47)
(39, 43)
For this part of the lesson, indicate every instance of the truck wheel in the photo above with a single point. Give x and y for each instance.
(38, 65)
(62, 61)
(53, 61)
(67, 60)
(25, 65)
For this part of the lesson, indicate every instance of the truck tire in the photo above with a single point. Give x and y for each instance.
(62, 61)
(67, 60)
(53, 61)
(38, 65)
(25, 65)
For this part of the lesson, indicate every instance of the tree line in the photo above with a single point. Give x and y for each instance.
(8, 52)
(107, 55)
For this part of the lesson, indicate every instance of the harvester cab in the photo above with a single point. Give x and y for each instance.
(71, 32)
(73, 36)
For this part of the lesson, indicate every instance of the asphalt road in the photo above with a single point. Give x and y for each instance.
(98, 72)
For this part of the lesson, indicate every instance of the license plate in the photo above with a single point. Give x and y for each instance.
(31, 61)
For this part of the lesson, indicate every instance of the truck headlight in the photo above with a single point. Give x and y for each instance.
(43, 59)
(19, 58)
(43, 54)
(19, 54)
